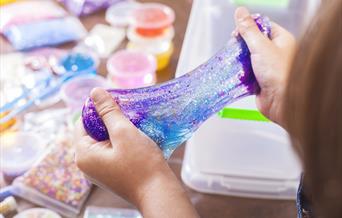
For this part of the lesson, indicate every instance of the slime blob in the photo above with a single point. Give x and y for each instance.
(170, 112)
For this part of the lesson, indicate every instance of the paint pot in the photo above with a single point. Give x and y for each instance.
(131, 69)
(3, 2)
(151, 19)
(38, 212)
(19, 151)
(160, 46)
(120, 14)
(75, 92)
(78, 62)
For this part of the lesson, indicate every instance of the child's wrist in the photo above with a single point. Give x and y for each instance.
(155, 186)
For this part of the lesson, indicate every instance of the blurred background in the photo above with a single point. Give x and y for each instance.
(52, 53)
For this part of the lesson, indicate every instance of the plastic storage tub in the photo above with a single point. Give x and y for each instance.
(232, 156)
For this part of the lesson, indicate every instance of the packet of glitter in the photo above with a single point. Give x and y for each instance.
(45, 33)
(18, 13)
(55, 182)
(85, 7)
(101, 212)
(103, 40)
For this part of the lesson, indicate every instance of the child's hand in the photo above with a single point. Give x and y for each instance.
(129, 163)
(271, 61)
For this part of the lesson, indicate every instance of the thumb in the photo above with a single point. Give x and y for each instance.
(107, 108)
(249, 31)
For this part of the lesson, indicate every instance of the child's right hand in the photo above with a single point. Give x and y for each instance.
(130, 164)
(271, 61)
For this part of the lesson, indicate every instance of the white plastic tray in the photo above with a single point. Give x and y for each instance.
(235, 157)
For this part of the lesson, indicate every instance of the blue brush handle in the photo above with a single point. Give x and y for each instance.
(43, 95)
(8, 106)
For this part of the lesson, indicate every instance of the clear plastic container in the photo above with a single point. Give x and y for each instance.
(160, 46)
(102, 212)
(37, 212)
(232, 156)
(150, 19)
(19, 152)
(75, 92)
(121, 14)
(131, 69)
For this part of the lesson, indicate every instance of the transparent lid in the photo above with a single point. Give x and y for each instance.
(121, 14)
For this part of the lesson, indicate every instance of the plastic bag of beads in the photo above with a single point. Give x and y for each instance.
(29, 11)
(45, 33)
(85, 7)
(55, 182)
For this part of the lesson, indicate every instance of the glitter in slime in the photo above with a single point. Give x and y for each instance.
(170, 112)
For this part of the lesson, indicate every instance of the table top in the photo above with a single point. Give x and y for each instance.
(207, 205)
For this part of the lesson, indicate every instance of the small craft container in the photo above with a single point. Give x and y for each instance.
(131, 69)
(19, 152)
(75, 92)
(103, 212)
(151, 19)
(120, 14)
(78, 61)
(37, 212)
(160, 46)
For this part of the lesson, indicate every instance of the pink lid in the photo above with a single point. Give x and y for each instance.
(128, 63)
(76, 91)
(153, 15)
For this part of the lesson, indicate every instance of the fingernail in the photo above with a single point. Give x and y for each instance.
(242, 13)
(97, 94)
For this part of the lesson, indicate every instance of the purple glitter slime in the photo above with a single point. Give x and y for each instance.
(169, 113)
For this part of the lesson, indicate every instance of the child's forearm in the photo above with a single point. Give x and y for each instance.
(165, 197)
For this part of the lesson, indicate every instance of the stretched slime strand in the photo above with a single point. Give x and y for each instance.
(170, 112)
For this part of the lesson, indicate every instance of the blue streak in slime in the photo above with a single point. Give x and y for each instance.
(170, 112)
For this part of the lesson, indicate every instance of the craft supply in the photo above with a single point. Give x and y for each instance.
(169, 113)
(18, 13)
(76, 91)
(131, 69)
(103, 39)
(45, 33)
(5, 192)
(37, 213)
(160, 46)
(85, 7)
(3, 2)
(72, 65)
(8, 205)
(103, 212)
(8, 124)
(263, 3)
(56, 182)
(47, 124)
(19, 151)
(121, 14)
(151, 19)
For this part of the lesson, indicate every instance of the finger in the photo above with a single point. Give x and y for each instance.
(108, 110)
(249, 31)
(280, 36)
(79, 129)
